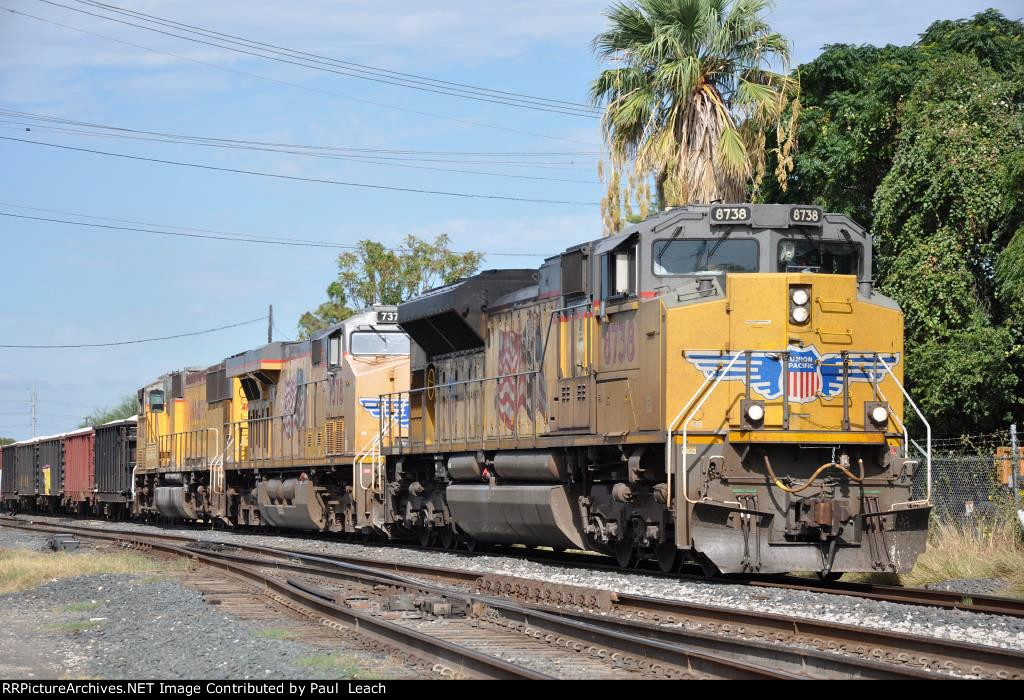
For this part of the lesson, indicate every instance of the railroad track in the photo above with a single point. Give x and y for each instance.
(646, 635)
(949, 600)
(478, 642)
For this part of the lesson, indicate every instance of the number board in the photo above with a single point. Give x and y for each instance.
(730, 215)
(387, 317)
(806, 216)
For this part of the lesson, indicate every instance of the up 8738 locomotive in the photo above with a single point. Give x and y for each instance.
(718, 383)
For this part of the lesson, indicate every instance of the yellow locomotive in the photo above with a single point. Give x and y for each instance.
(717, 383)
(272, 436)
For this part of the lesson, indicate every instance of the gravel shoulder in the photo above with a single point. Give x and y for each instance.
(116, 626)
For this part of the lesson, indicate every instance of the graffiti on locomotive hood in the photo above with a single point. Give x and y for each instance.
(811, 374)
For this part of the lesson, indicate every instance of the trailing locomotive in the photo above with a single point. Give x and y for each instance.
(272, 436)
(720, 383)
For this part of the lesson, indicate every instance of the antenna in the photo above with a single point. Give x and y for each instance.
(270, 324)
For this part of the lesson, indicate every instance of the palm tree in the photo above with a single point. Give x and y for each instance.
(694, 96)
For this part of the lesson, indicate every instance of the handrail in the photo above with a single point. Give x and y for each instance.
(718, 376)
(928, 440)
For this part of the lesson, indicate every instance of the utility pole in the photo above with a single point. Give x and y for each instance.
(270, 325)
(34, 414)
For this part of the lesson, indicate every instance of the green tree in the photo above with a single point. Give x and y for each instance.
(128, 407)
(946, 218)
(692, 99)
(7, 441)
(374, 274)
(922, 144)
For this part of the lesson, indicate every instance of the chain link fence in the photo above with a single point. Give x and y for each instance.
(973, 479)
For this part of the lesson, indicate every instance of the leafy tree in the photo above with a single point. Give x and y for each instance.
(128, 407)
(378, 275)
(848, 125)
(944, 216)
(923, 144)
(693, 98)
(997, 42)
(7, 440)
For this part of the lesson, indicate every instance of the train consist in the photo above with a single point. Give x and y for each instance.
(83, 472)
(719, 384)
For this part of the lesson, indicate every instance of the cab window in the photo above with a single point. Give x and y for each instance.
(689, 256)
(379, 343)
(334, 350)
(156, 401)
(828, 257)
(618, 273)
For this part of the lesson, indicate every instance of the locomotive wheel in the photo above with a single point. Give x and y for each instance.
(471, 544)
(625, 553)
(446, 538)
(668, 556)
(425, 537)
(830, 576)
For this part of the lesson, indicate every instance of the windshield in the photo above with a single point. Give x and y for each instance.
(829, 257)
(379, 343)
(687, 256)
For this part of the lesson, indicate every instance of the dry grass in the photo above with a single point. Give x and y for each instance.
(22, 568)
(954, 552)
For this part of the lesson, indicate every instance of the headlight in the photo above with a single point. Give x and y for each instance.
(755, 412)
(879, 414)
(799, 304)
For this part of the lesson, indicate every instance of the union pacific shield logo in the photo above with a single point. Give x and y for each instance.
(811, 374)
(804, 375)
(395, 409)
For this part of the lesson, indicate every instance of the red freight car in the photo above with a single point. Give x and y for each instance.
(79, 471)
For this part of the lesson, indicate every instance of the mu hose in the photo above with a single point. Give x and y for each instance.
(819, 470)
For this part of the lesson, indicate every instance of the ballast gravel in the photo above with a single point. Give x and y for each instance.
(976, 628)
(115, 626)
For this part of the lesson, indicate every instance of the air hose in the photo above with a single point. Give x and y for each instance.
(819, 470)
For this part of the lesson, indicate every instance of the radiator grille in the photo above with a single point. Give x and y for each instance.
(335, 436)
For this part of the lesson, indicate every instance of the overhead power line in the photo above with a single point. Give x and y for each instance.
(135, 342)
(325, 181)
(307, 88)
(317, 147)
(212, 143)
(217, 235)
(332, 65)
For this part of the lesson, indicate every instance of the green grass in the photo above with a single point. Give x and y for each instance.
(273, 633)
(74, 627)
(21, 568)
(84, 606)
(992, 550)
(345, 667)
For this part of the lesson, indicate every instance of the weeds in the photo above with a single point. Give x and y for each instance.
(22, 568)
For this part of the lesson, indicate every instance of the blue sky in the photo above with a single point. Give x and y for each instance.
(66, 284)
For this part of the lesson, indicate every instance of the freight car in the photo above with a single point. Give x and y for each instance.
(33, 477)
(717, 383)
(276, 436)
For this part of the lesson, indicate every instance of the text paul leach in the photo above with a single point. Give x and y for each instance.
(293, 689)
